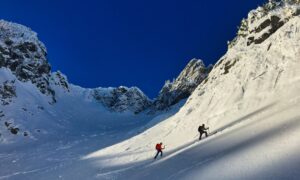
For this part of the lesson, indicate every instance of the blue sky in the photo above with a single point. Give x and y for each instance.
(133, 43)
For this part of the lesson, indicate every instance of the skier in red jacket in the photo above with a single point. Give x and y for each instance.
(159, 149)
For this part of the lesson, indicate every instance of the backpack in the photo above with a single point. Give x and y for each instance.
(200, 128)
(158, 147)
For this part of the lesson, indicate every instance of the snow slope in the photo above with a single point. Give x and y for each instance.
(68, 130)
(260, 145)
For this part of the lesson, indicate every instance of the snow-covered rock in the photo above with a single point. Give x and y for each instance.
(59, 79)
(182, 87)
(25, 56)
(122, 99)
(7, 92)
(264, 21)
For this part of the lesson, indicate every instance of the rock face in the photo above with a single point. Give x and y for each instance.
(264, 21)
(7, 92)
(122, 99)
(59, 79)
(182, 87)
(25, 56)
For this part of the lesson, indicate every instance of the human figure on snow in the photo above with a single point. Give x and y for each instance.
(159, 149)
(202, 130)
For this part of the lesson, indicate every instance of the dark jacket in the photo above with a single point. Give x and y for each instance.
(202, 128)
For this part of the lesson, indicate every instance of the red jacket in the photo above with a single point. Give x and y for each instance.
(158, 147)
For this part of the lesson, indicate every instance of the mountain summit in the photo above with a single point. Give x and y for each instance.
(25, 56)
(182, 87)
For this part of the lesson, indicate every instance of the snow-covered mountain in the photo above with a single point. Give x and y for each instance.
(182, 87)
(24, 55)
(31, 95)
(28, 85)
(250, 100)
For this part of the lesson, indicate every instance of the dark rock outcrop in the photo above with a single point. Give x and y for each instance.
(264, 21)
(273, 24)
(60, 79)
(7, 92)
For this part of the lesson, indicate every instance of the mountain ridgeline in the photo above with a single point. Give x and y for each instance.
(26, 57)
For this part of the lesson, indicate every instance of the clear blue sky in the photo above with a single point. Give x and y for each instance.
(133, 43)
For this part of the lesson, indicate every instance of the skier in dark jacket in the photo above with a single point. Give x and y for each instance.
(202, 130)
(159, 149)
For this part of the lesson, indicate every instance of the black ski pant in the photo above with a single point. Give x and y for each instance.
(202, 132)
(158, 151)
